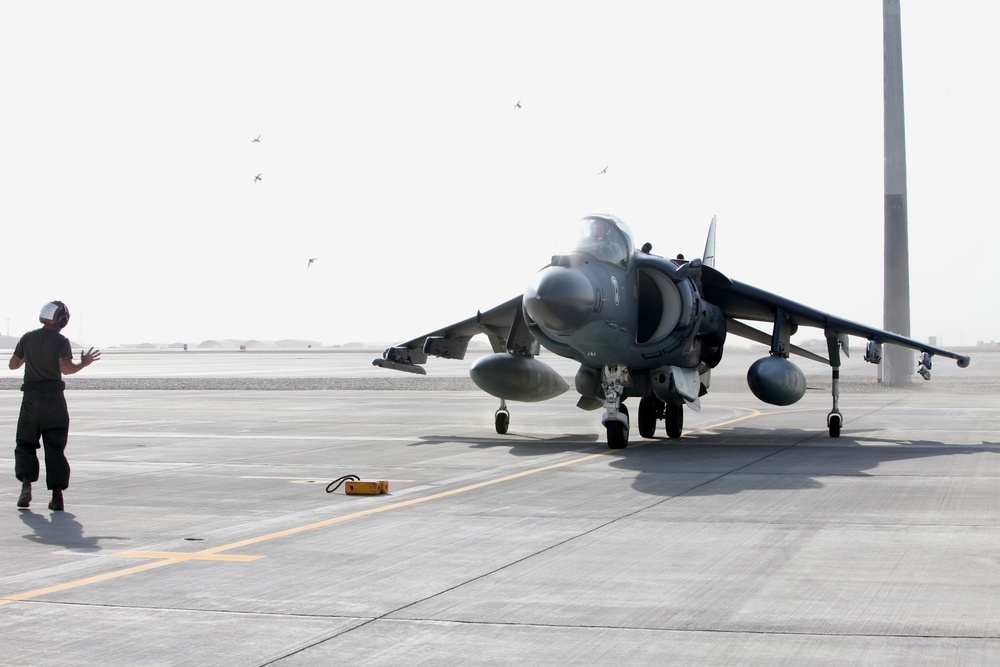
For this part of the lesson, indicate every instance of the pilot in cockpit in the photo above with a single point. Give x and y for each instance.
(599, 231)
(603, 240)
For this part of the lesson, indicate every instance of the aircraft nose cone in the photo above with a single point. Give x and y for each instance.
(560, 299)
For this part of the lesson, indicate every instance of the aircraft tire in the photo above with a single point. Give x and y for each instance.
(674, 419)
(502, 422)
(835, 426)
(617, 435)
(647, 416)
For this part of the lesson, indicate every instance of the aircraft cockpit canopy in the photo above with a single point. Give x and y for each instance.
(606, 238)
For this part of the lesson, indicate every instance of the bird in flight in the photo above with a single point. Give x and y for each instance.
(257, 140)
(311, 261)
(518, 105)
(258, 178)
(603, 171)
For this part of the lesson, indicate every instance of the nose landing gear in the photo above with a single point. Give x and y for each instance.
(614, 379)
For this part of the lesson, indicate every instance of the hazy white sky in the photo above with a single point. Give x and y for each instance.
(390, 149)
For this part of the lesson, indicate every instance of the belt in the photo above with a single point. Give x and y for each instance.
(44, 386)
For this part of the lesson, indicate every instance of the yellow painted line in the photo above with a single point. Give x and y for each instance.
(753, 412)
(164, 558)
(180, 556)
(401, 504)
(58, 588)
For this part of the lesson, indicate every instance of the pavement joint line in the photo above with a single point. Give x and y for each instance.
(162, 559)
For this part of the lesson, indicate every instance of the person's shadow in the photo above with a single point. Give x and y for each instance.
(61, 529)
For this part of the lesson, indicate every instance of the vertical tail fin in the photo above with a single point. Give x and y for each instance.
(708, 259)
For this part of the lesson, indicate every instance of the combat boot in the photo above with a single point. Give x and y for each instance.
(24, 500)
(57, 499)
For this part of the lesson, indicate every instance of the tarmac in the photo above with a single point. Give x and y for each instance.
(198, 529)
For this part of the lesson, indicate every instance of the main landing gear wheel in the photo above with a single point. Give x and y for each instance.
(650, 409)
(674, 418)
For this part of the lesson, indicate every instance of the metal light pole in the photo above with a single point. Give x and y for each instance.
(897, 362)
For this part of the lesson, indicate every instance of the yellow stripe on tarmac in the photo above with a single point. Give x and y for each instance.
(58, 588)
(164, 558)
(180, 556)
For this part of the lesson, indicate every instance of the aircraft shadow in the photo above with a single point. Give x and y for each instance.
(734, 460)
(521, 444)
(60, 529)
(747, 459)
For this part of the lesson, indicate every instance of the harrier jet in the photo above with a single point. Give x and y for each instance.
(642, 327)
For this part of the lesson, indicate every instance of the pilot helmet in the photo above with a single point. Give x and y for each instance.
(55, 313)
(598, 229)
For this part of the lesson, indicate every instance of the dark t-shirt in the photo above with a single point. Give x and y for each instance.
(41, 350)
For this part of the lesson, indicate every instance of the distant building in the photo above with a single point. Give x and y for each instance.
(224, 344)
(258, 344)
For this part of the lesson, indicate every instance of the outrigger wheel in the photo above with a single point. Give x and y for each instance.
(835, 420)
(502, 418)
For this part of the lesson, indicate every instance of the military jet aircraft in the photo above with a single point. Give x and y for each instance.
(641, 326)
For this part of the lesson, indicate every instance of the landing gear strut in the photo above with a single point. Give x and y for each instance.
(834, 342)
(614, 379)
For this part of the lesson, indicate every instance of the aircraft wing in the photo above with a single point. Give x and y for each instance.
(503, 325)
(740, 301)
